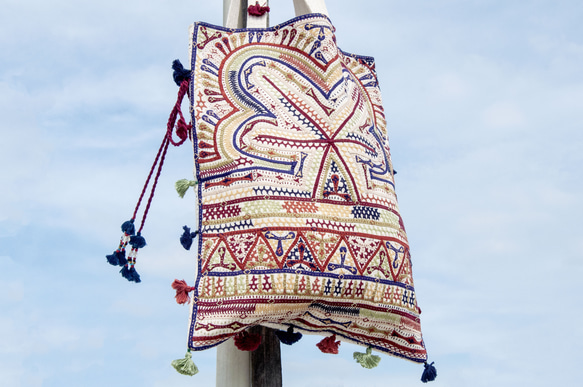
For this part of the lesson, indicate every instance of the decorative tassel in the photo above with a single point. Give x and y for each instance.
(118, 258)
(329, 345)
(125, 272)
(257, 10)
(429, 373)
(185, 366)
(137, 241)
(288, 337)
(183, 185)
(182, 290)
(134, 276)
(367, 360)
(180, 73)
(187, 237)
(129, 272)
(246, 341)
(128, 227)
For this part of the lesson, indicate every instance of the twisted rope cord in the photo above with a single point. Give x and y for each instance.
(182, 132)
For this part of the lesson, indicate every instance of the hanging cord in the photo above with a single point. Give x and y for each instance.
(182, 130)
(176, 122)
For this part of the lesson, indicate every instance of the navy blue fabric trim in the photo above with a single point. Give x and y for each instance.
(199, 197)
(368, 59)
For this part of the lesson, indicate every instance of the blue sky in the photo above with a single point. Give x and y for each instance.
(484, 101)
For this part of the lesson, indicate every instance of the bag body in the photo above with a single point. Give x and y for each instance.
(298, 217)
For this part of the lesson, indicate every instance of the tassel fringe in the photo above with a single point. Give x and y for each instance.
(183, 185)
(288, 337)
(187, 237)
(257, 10)
(246, 341)
(429, 373)
(182, 290)
(329, 345)
(185, 366)
(367, 360)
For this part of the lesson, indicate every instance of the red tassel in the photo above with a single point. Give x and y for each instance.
(182, 129)
(257, 10)
(182, 290)
(246, 341)
(329, 345)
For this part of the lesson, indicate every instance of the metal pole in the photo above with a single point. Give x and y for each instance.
(237, 368)
(262, 367)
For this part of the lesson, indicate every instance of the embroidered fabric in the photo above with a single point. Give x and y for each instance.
(299, 223)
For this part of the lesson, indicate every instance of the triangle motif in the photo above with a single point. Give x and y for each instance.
(322, 244)
(363, 250)
(279, 241)
(222, 259)
(300, 257)
(379, 266)
(342, 261)
(261, 257)
(335, 183)
(240, 245)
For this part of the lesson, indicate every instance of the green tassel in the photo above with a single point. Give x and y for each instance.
(183, 185)
(367, 360)
(185, 366)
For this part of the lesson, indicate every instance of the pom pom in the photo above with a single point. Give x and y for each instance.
(130, 273)
(182, 290)
(180, 73)
(246, 341)
(329, 345)
(187, 237)
(128, 227)
(429, 373)
(185, 366)
(257, 10)
(183, 185)
(288, 337)
(137, 241)
(118, 258)
(367, 360)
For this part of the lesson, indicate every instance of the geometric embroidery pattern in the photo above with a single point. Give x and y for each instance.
(299, 223)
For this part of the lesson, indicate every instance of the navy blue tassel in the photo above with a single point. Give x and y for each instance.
(112, 259)
(288, 337)
(121, 257)
(135, 277)
(187, 237)
(125, 272)
(429, 373)
(130, 274)
(180, 73)
(128, 227)
(137, 241)
(118, 258)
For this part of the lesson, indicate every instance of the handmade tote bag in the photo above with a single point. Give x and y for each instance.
(299, 224)
(299, 227)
